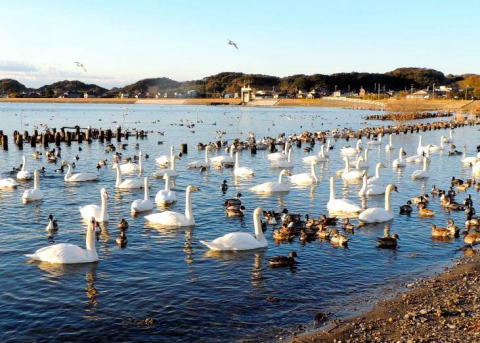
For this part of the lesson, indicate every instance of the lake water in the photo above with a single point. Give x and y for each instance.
(168, 275)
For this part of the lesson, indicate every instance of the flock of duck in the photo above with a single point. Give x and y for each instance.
(287, 225)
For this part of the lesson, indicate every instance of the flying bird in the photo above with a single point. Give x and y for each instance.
(80, 65)
(233, 44)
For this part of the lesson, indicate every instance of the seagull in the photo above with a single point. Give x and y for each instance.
(233, 43)
(80, 65)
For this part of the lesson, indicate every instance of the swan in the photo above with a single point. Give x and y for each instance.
(166, 196)
(8, 183)
(127, 183)
(142, 205)
(349, 151)
(284, 163)
(423, 173)
(476, 170)
(235, 241)
(199, 164)
(130, 167)
(375, 141)
(165, 160)
(278, 156)
(377, 179)
(94, 211)
(437, 148)
(320, 157)
(224, 160)
(450, 137)
(378, 214)
(420, 147)
(272, 187)
(65, 253)
(399, 162)
(340, 206)
(351, 174)
(78, 177)
(362, 162)
(241, 171)
(468, 159)
(372, 189)
(33, 194)
(24, 174)
(389, 146)
(305, 179)
(170, 218)
(172, 172)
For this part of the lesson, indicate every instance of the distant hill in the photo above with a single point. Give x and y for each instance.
(231, 82)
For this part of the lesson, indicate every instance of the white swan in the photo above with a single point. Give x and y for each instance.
(172, 171)
(277, 156)
(166, 196)
(24, 174)
(94, 211)
(284, 163)
(320, 157)
(235, 241)
(450, 137)
(142, 205)
(130, 167)
(8, 183)
(468, 159)
(272, 187)
(127, 183)
(341, 206)
(399, 162)
(420, 147)
(362, 162)
(305, 179)
(33, 194)
(78, 177)
(377, 179)
(351, 174)
(373, 189)
(224, 160)
(200, 164)
(378, 214)
(375, 141)
(437, 148)
(423, 173)
(65, 253)
(349, 151)
(389, 146)
(241, 171)
(165, 160)
(170, 218)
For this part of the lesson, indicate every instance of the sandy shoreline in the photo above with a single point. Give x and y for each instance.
(442, 308)
(390, 105)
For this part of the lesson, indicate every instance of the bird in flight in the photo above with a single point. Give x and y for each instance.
(233, 44)
(80, 65)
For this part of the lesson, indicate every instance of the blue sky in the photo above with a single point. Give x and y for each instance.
(123, 41)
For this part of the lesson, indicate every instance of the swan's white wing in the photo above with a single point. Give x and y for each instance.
(165, 196)
(343, 205)
(140, 205)
(61, 253)
(82, 177)
(90, 211)
(375, 215)
(131, 183)
(168, 218)
(235, 241)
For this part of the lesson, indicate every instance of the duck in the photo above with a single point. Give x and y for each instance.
(175, 219)
(272, 186)
(122, 240)
(166, 196)
(283, 261)
(94, 211)
(199, 164)
(450, 231)
(387, 241)
(423, 173)
(347, 226)
(305, 179)
(378, 214)
(341, 206)
(65, 253)
(323, 233)
(241, 171)
(285, 233)
(235, 211)
(35, 193)
(472, 238)
(224, 186)
(399, 162)
(423, 211)
(407, 208)
(145, 204)
(8, 183)
(127, 183)
(122, 224)
(420, 199)
(78, 177)
(24, 174)
(338, 239)
(239, 241)
(52, 225)
(472, 222)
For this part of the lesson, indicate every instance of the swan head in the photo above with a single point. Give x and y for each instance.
(381, 165)
(258, 211)
(286, 172)
(104, 193)
(93, 224)
(392, 187)
(193, 188)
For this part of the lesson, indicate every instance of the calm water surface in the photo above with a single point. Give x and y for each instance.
(167, 275)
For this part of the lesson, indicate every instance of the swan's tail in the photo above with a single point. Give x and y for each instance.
(209, 245)
(31, 256)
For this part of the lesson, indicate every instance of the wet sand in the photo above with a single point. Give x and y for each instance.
(443, 308)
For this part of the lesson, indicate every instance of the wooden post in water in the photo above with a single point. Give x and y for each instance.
(108, 135)
(184, 148)
(68, 138)
(45, 140)
(119, 133)
(4, 142)
(102, 136)
(19, 141)
(33, 140)
(58, 138)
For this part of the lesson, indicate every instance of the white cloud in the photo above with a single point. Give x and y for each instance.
(16, 66)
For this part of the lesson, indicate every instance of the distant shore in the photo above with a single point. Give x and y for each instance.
(444, 308)
(389, 105)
